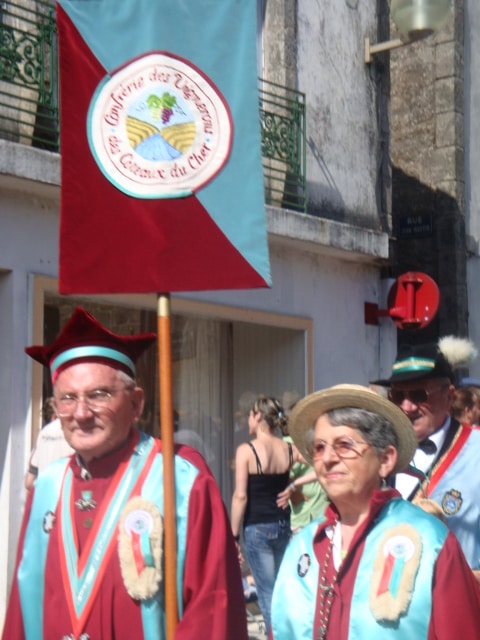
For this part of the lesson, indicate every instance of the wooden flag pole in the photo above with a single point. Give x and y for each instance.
(166, 423)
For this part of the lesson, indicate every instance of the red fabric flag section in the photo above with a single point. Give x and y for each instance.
(112, 242)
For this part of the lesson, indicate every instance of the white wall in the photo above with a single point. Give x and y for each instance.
(342, 136)
(28, 243)
(331, 292)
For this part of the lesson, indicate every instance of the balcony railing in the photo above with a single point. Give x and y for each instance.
(282, 118)
(29, 102)
(28, 73)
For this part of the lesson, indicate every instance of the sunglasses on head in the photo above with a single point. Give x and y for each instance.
(415, 396)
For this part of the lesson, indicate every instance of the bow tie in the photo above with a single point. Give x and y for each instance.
(428, 446)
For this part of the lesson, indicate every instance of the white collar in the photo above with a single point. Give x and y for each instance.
(439, 436)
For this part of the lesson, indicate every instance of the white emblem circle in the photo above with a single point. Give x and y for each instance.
(159, 128)
(138, 522)
(400, 547)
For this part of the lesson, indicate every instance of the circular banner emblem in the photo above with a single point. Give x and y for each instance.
(159, 128)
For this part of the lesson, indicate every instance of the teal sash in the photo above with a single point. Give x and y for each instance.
(295, 592)
(153, 610)
(32, 566)
(457, 494)
(415, 623)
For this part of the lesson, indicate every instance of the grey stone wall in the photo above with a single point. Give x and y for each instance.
(428, 185)
(472, 164)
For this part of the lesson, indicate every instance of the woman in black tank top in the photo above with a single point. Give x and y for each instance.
(261, 472)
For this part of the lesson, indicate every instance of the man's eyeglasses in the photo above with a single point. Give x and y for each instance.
(344, 448)
(96, 400)
(415, 396)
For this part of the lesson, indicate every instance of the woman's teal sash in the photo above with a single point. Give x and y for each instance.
(400, 552)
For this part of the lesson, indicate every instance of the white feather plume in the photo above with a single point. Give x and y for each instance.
(458, 351)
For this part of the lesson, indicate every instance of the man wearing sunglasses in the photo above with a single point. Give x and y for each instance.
(448, 455)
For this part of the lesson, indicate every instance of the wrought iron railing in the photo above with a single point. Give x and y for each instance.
(282, 118)
(28, 73)
(29, 111)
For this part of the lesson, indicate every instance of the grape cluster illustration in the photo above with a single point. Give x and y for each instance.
(161, 107)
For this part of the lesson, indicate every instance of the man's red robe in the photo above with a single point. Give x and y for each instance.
(213, 600)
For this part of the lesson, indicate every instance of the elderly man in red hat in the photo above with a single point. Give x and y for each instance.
(445, 464)
(89, 563)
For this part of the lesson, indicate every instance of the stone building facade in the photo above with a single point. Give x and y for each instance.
(429, 205)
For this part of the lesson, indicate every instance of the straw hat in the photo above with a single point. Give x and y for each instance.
(307, 411)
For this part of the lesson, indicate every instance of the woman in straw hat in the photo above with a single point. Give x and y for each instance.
(374, 566)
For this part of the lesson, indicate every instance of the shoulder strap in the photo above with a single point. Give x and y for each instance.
(456, 440)
(259, 464)
(290, 453)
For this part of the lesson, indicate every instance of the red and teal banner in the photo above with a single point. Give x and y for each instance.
(162, 185)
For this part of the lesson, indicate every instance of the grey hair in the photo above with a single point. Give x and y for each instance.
(129, 382)
(377, 430)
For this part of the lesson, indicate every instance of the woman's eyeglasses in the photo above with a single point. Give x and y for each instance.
(344, 448)
(415, 396)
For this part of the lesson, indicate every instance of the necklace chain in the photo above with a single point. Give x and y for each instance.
(327, 593)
